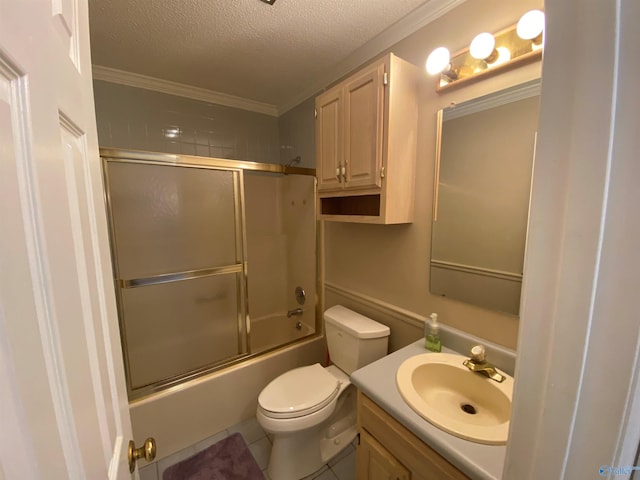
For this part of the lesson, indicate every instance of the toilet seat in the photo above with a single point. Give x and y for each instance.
(299, 392)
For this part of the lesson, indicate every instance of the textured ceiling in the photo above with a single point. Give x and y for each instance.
(245, 48)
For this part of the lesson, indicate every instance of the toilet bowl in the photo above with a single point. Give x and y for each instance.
(307, 433)
(311, 410)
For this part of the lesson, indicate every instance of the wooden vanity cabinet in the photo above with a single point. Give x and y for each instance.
(366, 131)
(387, 450)
(375, 462)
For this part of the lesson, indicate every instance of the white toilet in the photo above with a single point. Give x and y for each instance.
(311, 411)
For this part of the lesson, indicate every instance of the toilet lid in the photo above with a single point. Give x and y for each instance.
(299, 392)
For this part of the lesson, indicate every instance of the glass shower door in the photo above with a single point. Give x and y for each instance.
(180, 266)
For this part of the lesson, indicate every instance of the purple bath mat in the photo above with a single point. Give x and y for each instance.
(229, 459)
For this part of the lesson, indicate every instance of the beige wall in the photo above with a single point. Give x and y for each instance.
(391, 263)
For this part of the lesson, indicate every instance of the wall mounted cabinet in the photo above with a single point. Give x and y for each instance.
(388, 450)
(366, 130)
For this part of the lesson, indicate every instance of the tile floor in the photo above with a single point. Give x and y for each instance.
(342, 467)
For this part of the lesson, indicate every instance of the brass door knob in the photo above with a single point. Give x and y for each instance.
(146, 451)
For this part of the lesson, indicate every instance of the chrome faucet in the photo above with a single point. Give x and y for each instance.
(295, 311)
(478, 363)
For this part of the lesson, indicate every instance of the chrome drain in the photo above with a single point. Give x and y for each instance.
(468, 408)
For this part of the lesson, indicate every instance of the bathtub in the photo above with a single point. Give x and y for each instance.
(275, 330)
(192, 411)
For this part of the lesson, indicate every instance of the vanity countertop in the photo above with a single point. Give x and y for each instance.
(378, 381)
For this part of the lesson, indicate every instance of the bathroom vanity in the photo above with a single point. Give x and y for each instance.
(396, 440)
(386, 445)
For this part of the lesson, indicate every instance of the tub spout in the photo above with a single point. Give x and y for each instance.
(295, 311)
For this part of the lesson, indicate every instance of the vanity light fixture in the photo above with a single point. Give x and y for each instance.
(488, 54)
(483, 47)
(439, 62)
(531, 26)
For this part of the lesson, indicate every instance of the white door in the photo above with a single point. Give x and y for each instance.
(63, 404)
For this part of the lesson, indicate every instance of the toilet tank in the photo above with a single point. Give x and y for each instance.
(353, 339)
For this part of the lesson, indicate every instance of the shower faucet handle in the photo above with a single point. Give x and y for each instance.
(301, 296)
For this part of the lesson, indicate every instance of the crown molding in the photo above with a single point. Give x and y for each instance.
(417, 19)
(130, 79)
(421, 16)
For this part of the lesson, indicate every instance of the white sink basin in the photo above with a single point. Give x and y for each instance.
(447, 394)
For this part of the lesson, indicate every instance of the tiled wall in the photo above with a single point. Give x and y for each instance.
(296, 131)
(139, 119)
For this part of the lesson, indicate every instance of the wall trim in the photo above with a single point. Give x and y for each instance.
(400, 313)
(457, 340)
(475, 270)
(121, 77)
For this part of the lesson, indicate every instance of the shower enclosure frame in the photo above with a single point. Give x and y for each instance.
(237, 167)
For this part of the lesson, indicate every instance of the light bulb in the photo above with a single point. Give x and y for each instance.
(504, 55)
(530, 25)
(438, 60)
(482, 46)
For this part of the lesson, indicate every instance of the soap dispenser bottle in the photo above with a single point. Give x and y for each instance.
(432, 334)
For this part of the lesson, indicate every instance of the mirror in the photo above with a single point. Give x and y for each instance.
(481, 200)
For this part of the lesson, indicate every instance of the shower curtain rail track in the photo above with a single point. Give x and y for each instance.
(193, 161)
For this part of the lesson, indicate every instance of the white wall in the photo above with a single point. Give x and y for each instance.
(577, 392)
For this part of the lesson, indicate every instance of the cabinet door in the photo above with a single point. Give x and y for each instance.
(363, 138)
(329, 140)
(374, 462)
